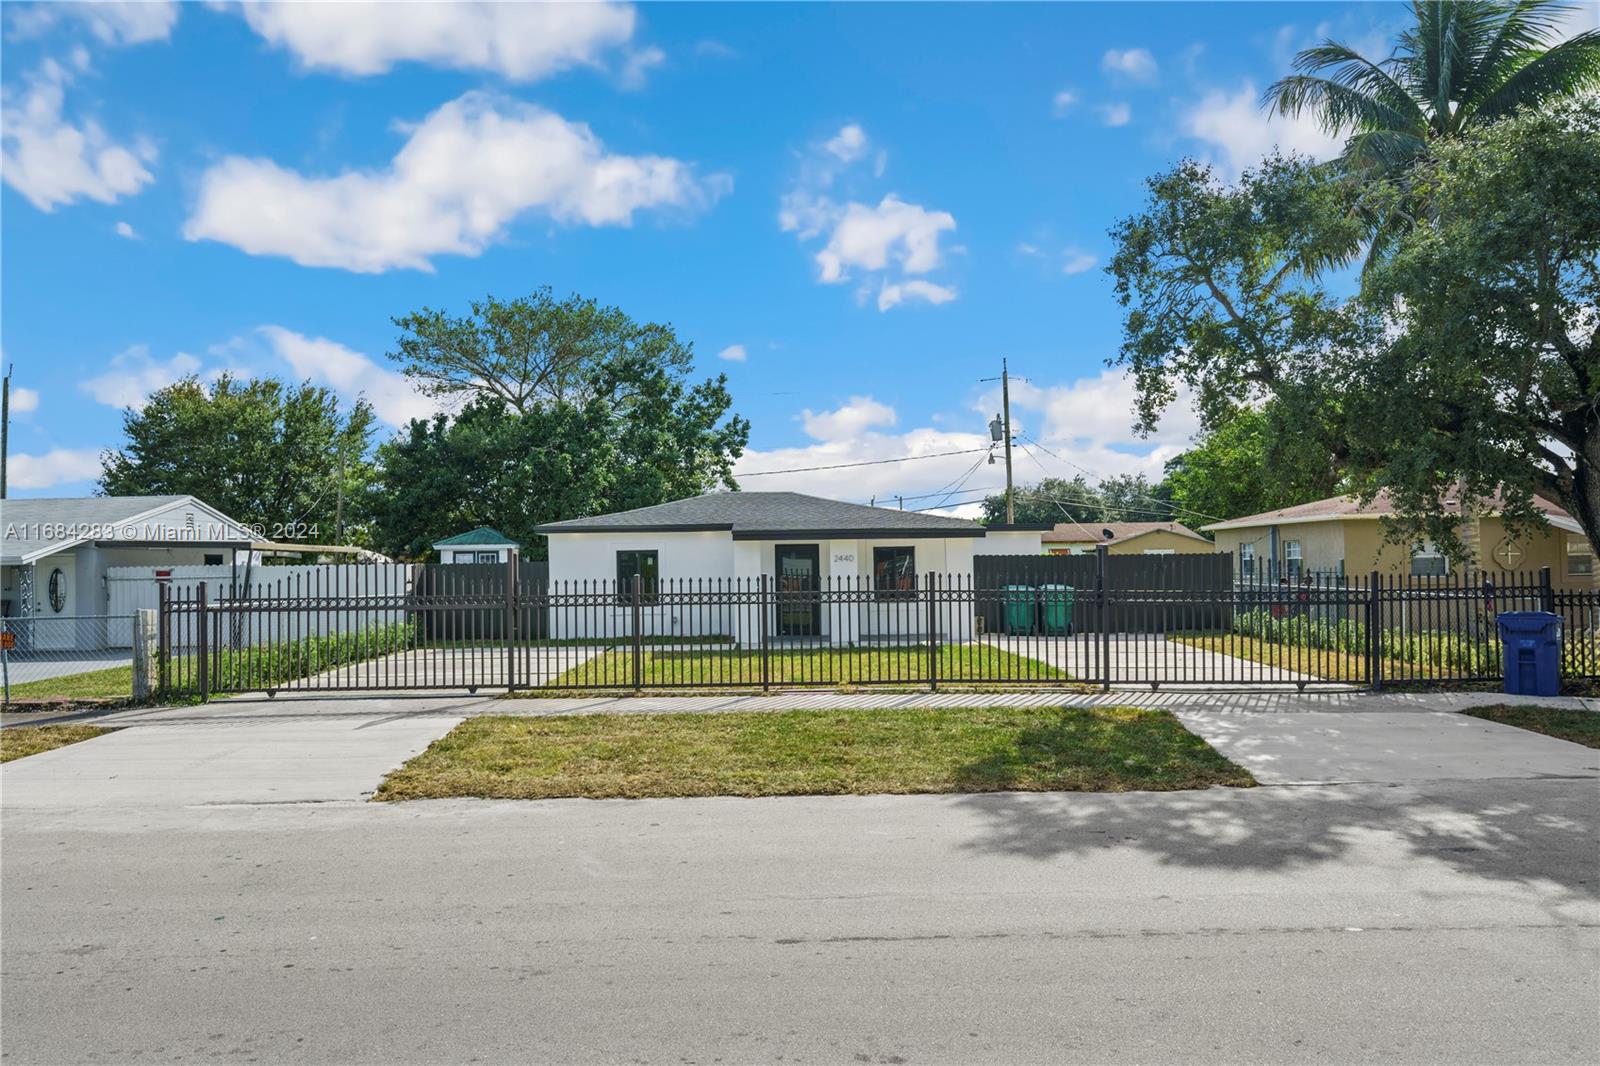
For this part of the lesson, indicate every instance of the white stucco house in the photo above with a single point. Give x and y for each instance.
(729, 540)
(59, 557)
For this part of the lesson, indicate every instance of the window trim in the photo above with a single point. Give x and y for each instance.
(1294, 565)
(649, 588)
(1583, 552)
(1247, 559)
(903, 592)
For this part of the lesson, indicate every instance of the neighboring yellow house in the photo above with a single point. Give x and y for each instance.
(1124, 538)
(1338, 536)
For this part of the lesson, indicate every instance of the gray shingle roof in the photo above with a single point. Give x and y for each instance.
(766, 515)
(21, 520)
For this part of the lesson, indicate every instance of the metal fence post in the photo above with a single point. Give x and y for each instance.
(1547, 595)
(510, 621)
(1374, 644)
(638, 633)
(164, 637)
(933, 633)
(766, 641)
(203, 676)
(1104, 602)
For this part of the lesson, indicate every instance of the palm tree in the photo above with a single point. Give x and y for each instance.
(1463, 64)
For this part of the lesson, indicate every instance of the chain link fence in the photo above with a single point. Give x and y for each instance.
(66, 657)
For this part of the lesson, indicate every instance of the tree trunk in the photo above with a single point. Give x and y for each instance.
(1585, 501)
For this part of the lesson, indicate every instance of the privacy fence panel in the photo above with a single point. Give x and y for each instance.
(1098, 620)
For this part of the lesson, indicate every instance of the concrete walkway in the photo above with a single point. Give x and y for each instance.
(1147, 657)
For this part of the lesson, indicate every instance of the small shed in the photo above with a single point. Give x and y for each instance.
(481, 545)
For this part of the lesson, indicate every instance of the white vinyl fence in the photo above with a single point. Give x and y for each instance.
(367, 594)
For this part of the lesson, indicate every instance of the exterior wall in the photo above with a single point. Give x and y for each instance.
(1010, 542)
(469, 553)
(1162, 541)
(713, 558)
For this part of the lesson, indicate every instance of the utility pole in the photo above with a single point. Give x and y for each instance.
(5, 428)
(1005, 409)
(1000, 430)
(338, 505)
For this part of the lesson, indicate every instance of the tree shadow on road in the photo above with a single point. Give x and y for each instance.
(1535, 832)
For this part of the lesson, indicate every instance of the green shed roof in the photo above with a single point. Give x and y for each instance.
(481, 535)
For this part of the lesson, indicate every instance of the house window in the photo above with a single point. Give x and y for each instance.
(1428, 561)
(213, 558)
(648, 566)
(1160, 551)
(488, 557)
(1293, 561)
(1247, 561)
(1580, 557)
(894, 573)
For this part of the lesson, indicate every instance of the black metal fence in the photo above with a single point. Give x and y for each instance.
(1095, 622)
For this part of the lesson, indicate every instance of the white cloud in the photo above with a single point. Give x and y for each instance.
(118, 23)
(1076, 261)
(58, 466)
(52, 161)
(638, 65)
(733, 353)
(871, 237)
(1086, 422)
(351, 374)
(1062, 102)
(898, 292)
(1236, 127)
(885, 241)
(24, 401)
(1116, 114)
(849, 144)
(134, 375)
(124, 229)
(1132, 64)
(848, 422)
(519, 41)
(464, 174)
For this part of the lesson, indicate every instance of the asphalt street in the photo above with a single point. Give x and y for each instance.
(1430, 918)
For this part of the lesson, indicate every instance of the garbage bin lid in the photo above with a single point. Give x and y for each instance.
(1526, 621)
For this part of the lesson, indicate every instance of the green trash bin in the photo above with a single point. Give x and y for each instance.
(1057, 601)
(1021, 601)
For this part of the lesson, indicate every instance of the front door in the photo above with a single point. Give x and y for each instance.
(799, 569)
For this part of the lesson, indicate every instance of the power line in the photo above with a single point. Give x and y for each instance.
(869, 462)
(1148, 499)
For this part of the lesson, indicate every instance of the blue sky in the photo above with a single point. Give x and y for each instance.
(853, 211)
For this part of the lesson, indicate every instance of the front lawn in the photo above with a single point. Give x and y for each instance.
(1578, 726)
(20, 741)
(795, 753)
(114, 682)
(903, 664)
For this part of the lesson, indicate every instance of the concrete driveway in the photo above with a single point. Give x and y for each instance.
(1443, 907)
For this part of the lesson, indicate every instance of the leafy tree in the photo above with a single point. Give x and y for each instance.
(1134, 498)
(259, 451)
(640, 436)
(1225, 293)
(1051, 500)
(1462, 65)
(1246, 465)
(531, 350)
(1492, 383)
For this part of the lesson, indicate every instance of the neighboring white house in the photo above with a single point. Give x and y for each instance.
(726, 542)
(481, 545)
(56, 553)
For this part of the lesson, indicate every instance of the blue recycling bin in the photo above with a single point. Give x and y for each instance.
(1531, 642)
